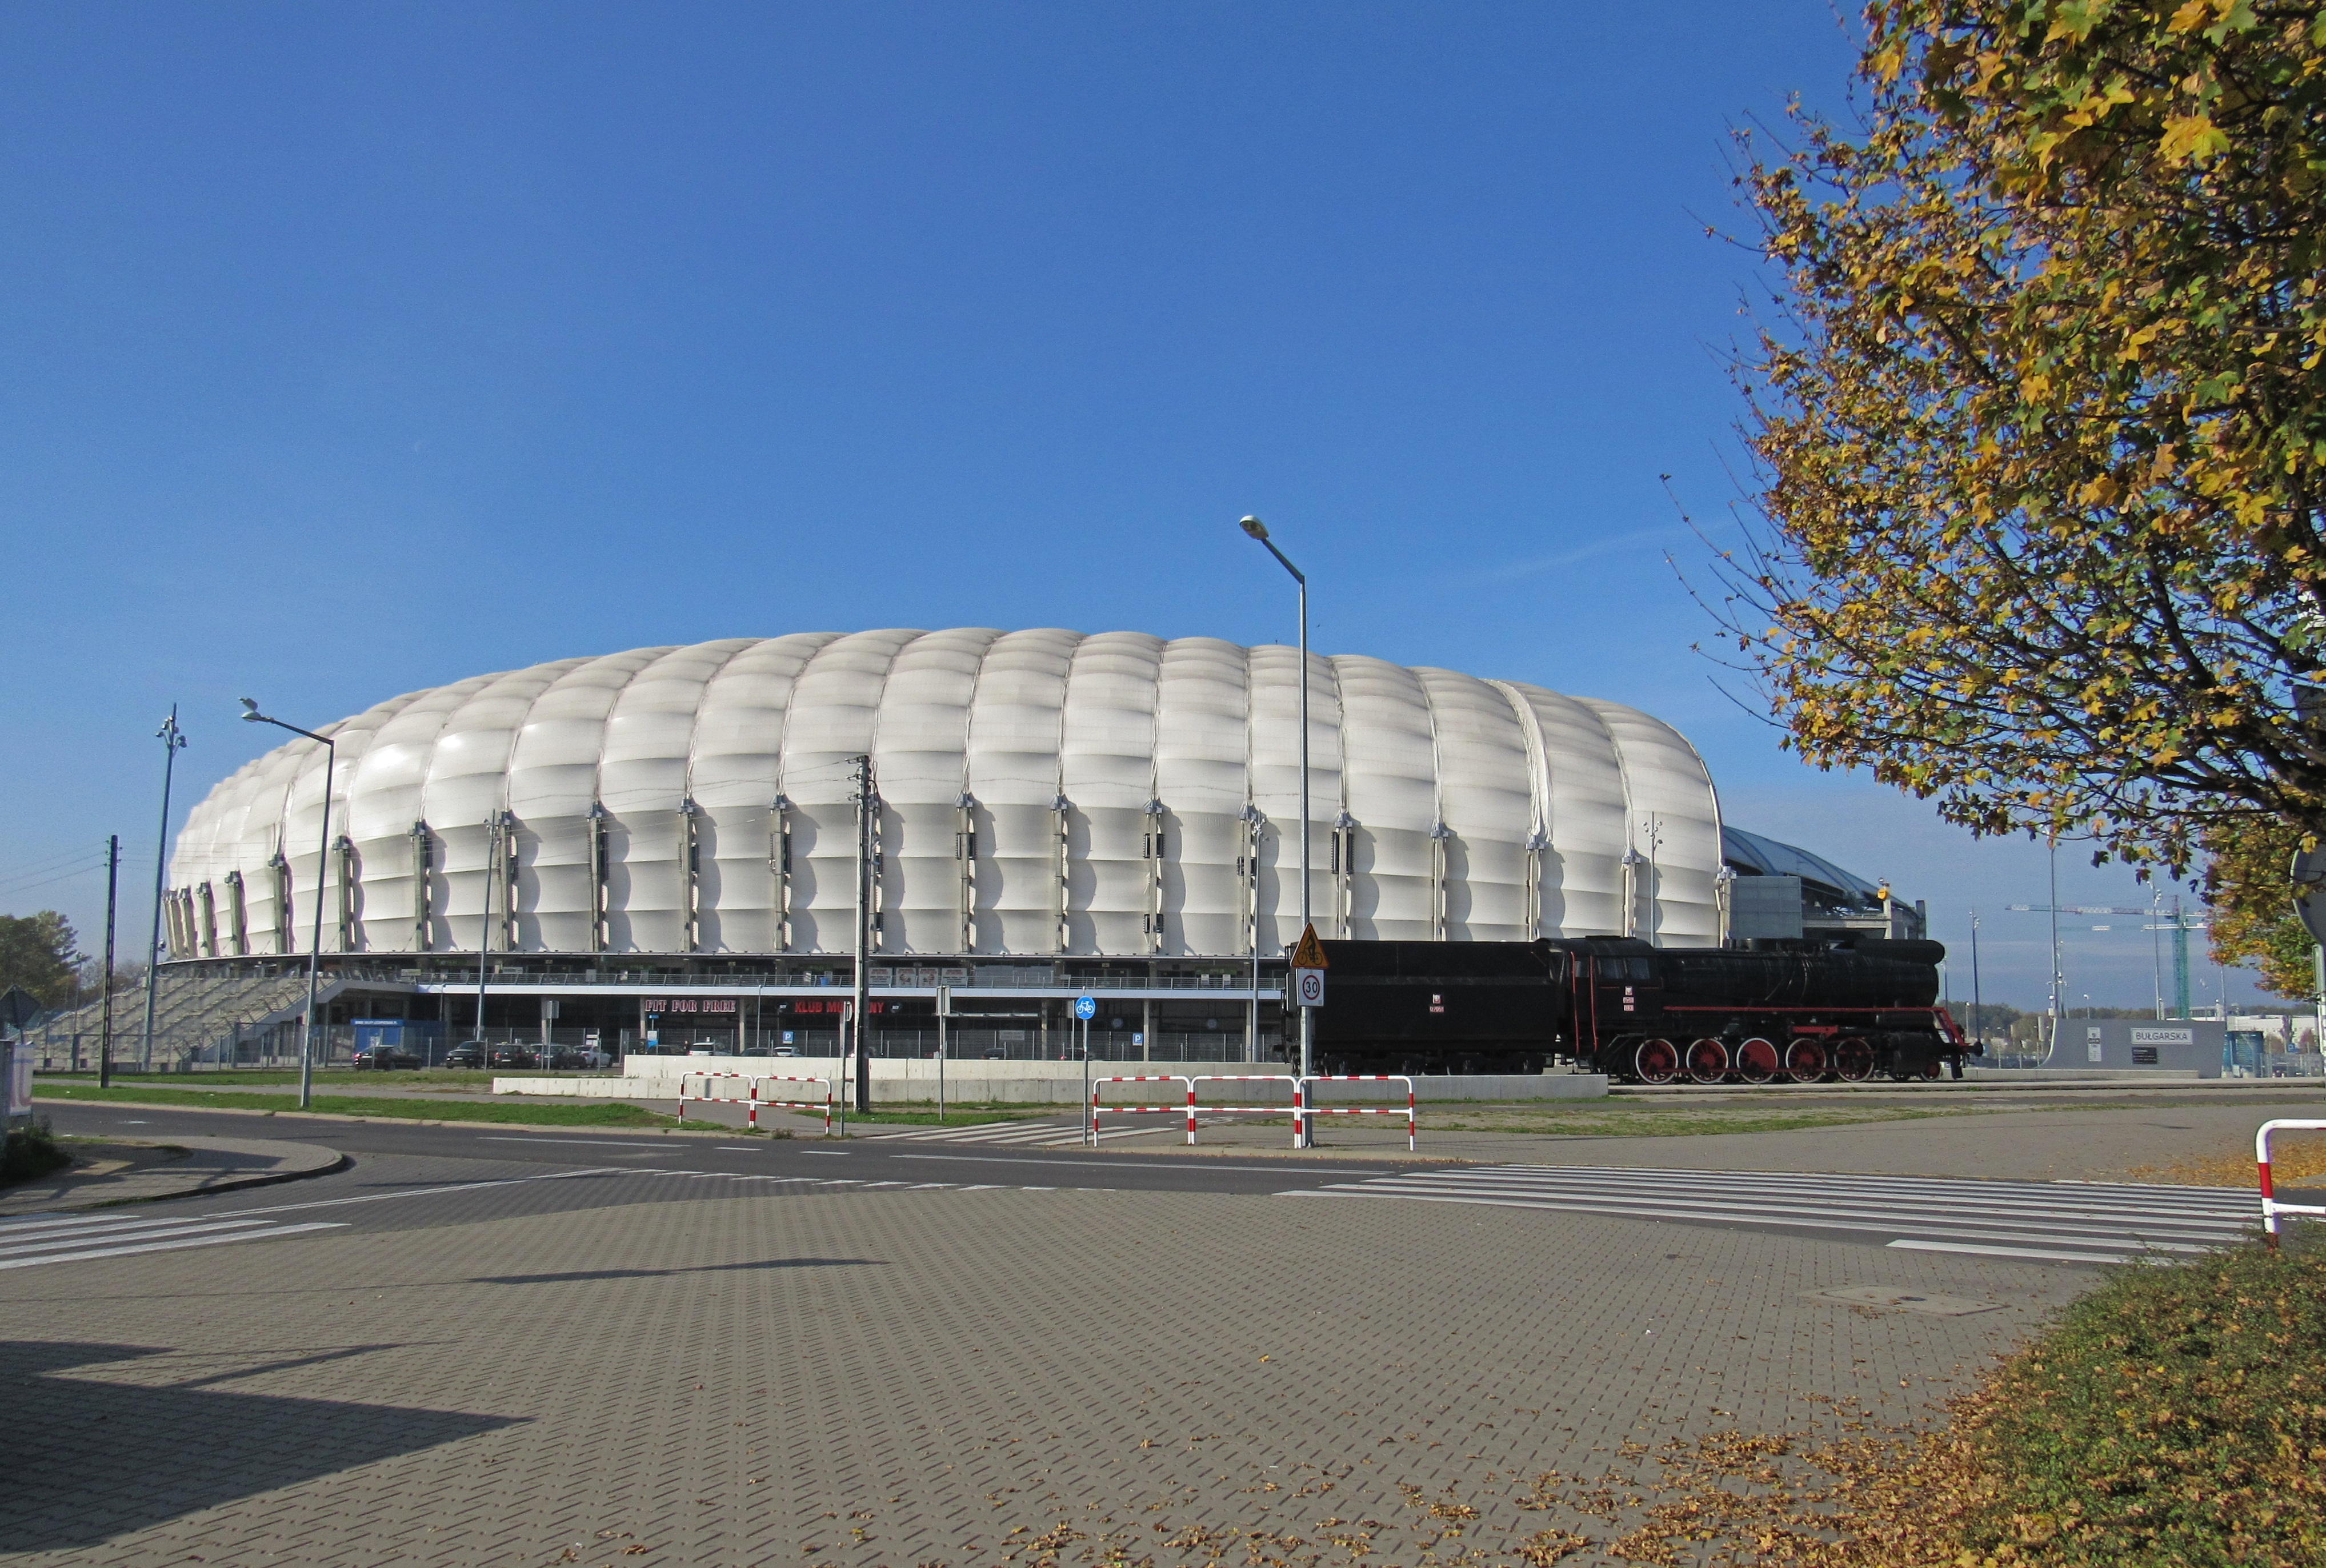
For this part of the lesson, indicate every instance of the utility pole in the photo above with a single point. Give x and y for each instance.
(2059, 980)
(172, 743)
(867, 803)
(1977, 1010)
(105, 1040)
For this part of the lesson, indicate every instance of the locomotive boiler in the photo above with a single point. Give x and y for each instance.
(1779, 1010)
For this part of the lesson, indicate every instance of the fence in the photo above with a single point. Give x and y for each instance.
(1098, 1086)
(1307, 1111)
(752, 1095)
(1243, 1110)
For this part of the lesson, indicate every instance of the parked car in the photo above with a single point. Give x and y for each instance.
(385, 1059)
(570, 1059)
(514, 1057)
(468, 1054)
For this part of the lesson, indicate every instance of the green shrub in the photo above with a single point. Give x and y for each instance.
(31, 1152)
(2174, 1416)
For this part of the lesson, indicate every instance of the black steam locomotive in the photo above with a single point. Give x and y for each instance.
(1780, 1011)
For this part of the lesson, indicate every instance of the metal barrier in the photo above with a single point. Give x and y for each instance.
(1294, 1108)
(1142, 1110)
(1305, 1111)
(825, 1104)
(752, 1097)
(2270, 1207)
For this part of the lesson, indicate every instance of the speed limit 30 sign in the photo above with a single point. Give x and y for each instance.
(1308, 988)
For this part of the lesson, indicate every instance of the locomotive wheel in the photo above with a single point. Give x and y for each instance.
(1931, 1068)
(1655, 1062)
(1805, 1061)
(1852, 1061)
(1708, 1060)
(1756, 1061)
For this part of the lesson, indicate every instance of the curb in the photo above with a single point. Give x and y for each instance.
(374, 1120)
(237, 1184)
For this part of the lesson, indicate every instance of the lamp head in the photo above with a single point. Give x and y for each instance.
(1255, 527)
(250, 712)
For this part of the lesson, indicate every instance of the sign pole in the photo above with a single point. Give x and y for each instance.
(1084, 1008)
(944, 1008)
(1307, 985)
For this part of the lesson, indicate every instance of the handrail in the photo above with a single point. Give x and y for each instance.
(1304, 1118)
(1141, 1109)
(2270, 1208)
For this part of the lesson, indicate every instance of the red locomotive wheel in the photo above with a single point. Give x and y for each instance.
(1655, 1062)
(1805, 1061)
(1931, 1068)
(1708, 1060)
(1852, 1061)
(1756, 1061)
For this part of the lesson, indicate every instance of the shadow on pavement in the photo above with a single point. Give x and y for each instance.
(660, 1273)
(88, 1461)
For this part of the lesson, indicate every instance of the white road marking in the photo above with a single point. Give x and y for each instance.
(2038, 1220)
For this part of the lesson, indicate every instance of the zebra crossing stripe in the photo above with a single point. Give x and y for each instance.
(2036, 1220)
(183, 1237)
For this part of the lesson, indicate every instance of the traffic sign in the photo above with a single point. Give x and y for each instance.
(2309, 889)
(1308, 988)
(1085, 1008)
(1308, 953)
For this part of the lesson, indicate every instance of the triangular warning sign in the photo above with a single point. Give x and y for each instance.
(1308, 953)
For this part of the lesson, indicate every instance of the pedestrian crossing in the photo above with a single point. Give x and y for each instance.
(1040, 1135)
(2040, 1222)
(33, 1240)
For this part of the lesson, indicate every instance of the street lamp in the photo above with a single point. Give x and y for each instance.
(251, 714)
(1259, 530)
(172, 742)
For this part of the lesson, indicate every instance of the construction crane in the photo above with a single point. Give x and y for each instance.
(2176, 921)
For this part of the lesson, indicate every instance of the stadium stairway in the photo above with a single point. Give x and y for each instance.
(192, 1014)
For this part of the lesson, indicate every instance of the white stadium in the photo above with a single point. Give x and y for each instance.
(659, 850)
(1040, 792)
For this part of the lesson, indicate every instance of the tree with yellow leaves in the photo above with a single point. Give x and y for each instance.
(2040, 424)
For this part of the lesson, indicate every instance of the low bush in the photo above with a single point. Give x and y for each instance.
(30, 1153)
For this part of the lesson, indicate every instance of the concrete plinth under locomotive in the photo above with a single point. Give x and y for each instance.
(1778, 1011)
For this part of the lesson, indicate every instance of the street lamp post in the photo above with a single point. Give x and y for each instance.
(172, 742)
(1259, 530)
(251, 714)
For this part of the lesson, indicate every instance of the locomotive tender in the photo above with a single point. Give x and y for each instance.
(1779, 1010)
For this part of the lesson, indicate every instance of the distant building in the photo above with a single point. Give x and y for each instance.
(1782, 890)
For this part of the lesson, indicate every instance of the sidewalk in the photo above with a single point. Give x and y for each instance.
(116, 1172)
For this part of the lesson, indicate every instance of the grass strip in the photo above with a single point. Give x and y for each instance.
(560, 1113)
(2173, 1418)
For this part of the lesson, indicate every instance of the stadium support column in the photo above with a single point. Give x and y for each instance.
(866, 804)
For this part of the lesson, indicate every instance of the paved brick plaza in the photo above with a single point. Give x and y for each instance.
(909, 1377)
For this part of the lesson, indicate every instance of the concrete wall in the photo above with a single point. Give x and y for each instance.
(1034, 1082)
(2130, 1045)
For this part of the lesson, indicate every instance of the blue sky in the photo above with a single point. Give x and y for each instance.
(356, 349)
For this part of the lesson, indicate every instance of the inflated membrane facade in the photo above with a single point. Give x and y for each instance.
(1040, 792)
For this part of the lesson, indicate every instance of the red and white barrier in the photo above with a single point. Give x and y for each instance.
(1097, 1086)
(2270, 1207)
(751, 1097)
(825, 1103)
(1307, 1111)
(1244, 1109)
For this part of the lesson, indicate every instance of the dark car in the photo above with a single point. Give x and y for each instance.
(513, 1057)
(385, 1059)
(471, 1055)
